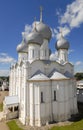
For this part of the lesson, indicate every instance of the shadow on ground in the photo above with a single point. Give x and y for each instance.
(78, 116)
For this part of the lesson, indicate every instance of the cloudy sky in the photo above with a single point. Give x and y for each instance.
(17, 16)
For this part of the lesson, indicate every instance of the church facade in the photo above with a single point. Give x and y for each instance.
(44, 90)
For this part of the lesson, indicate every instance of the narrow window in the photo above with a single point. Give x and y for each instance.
(32, 53)
(45, 53)
(42, 97)
(54, 95)
(39, 53)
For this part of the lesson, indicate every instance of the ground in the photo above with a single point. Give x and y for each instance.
(3, 125)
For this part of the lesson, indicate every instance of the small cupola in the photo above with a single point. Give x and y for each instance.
(62, 43)
(62, 46)
(21, 47)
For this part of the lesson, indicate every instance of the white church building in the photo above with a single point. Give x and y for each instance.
(41, 90)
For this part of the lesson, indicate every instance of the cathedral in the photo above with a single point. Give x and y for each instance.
(41, 91)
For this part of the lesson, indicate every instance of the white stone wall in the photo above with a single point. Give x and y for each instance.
(33, 52)
(40, 113)
(63, 55)
(44, 50)
(23, 94)
(45, 107)
(63, 107)
(22, 56)
(69, 67)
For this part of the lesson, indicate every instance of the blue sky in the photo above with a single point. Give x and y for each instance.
(17, 16)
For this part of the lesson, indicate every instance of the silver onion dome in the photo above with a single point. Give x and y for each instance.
(21, 47)
(62, 43)
(44, 30)
(34, 37)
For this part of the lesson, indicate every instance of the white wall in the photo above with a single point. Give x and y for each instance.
(63, 106)
(33, 52)
(44, 50)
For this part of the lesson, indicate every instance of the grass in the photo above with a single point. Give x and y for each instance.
(1, 107)
(13, 126)
(74, 126)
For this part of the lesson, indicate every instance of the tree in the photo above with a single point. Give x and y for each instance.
(79, 76)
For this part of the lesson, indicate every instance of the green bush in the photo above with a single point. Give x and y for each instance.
(13, 126)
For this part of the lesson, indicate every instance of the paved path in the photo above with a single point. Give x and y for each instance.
(3, 126)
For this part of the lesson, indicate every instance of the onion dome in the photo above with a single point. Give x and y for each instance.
(21, 47)
(34, 37)
(44, 30)
(62, 43)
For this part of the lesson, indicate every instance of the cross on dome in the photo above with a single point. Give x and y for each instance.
(34, 22)
(61, 32)
(41, 9)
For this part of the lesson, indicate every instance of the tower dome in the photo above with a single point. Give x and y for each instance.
(62, 43)
(21, 47)
(44, 30)
(34, 37)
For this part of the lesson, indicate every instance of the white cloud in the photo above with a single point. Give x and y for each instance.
(79, 63)
(6, 59)
(73, 15)
(70, 51)
(72, 18)
(79, 66)
(54, 56)
(56, 33)
(4, 72)
(28, 28)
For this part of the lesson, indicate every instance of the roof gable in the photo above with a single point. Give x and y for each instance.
(56, 75)
(39, 76)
